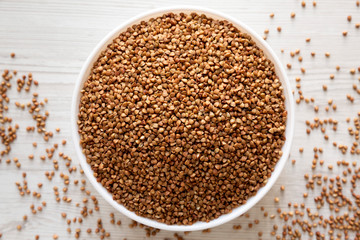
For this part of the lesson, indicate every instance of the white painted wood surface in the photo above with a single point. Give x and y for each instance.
(52, 39)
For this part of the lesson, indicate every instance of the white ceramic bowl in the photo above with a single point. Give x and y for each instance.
(289, 104)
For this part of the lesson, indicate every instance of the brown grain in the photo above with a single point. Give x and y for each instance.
(163, 112)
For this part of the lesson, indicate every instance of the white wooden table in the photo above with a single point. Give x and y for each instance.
(52, 39)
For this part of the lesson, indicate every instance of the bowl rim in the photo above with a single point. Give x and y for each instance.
(289, 104)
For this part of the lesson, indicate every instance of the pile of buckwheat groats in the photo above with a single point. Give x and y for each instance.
(331, 187)
(182, 118)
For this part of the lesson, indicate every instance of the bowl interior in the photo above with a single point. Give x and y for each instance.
(289, 104)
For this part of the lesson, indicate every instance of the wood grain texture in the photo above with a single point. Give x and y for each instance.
(52, 39)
